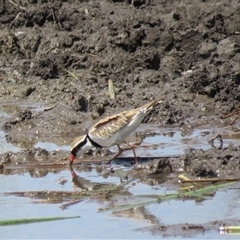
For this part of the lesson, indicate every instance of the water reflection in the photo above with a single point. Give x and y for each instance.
(80, 183)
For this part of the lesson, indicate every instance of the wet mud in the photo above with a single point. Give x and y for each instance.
(57, 58)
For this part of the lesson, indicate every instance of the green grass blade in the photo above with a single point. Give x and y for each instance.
(205, 190)
(32, 220)
(167, 197)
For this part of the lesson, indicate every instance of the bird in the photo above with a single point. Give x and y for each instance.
(112, 130)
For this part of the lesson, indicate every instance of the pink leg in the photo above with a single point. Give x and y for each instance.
(117, 155)
(120, 150)
(134, 153)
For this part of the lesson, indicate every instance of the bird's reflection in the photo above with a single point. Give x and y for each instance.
(81, 183)
(117, 195)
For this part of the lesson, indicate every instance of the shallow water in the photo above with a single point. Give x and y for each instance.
(131, 224)
(94, 224)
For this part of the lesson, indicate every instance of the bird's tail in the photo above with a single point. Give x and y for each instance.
(149, 106)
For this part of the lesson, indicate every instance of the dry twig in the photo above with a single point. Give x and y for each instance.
(111, 89)
(10, 26)
(235, 112)
(17, 5)
(55, 19)
(65, 205)
(209, 180)
(233, 121)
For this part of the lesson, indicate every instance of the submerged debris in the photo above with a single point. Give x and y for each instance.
(219, 137)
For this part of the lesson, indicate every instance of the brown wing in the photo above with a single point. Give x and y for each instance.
(109, 126)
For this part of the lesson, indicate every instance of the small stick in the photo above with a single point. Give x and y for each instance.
(111, 89)
(16, 5)
(49, 107)
(232, 122)
(55, 19)
(47, 51)
(15, 19)
(65, 205)
(228, 229)
(232, 134)
(183, 177)
(231, 113)
(209, 180)
(31, 166)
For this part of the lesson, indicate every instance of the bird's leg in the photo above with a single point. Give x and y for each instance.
(134, 153)
(120, 150)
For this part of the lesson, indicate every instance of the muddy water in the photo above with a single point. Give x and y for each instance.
(93, 224)
(136, 223)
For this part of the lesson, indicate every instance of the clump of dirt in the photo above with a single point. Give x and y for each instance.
(211, 163)
(65, 52)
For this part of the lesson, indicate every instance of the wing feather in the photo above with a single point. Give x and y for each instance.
(108, 126)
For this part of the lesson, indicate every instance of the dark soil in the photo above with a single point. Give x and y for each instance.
(61, 54)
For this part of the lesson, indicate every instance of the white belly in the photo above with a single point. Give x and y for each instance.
(128, 129)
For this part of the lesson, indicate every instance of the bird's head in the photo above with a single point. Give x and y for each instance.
(78, 146)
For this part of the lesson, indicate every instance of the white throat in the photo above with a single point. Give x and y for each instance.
(87, 146)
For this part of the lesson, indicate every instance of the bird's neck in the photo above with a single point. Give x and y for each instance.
(94, 144)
